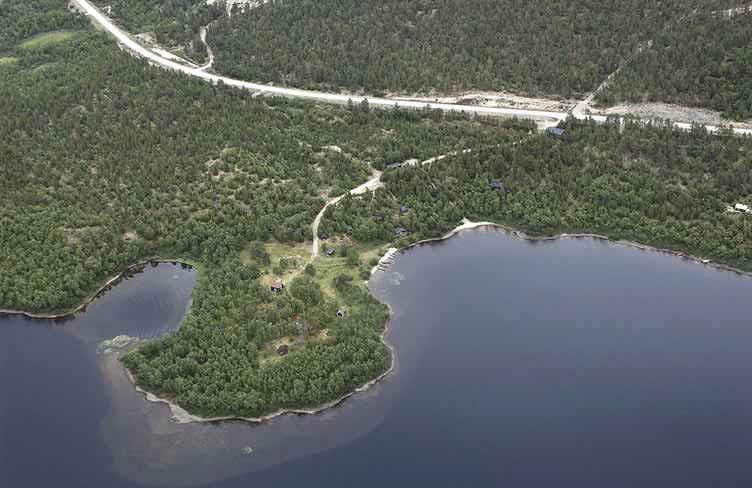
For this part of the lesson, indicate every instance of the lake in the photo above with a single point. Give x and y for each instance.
(524, 364)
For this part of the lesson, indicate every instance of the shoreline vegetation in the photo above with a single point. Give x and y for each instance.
(182, 416)
(466, 225)
(111, 282)
(382, 265)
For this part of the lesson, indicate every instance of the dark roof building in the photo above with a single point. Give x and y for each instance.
(404, 209)
(498, 185)
(330, 251)
(555, 131)
(393, 165)
(400, 231)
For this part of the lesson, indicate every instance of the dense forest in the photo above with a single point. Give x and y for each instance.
(106, 161)
(538, 47)
(645, 183)
(703, 61)
(695, 57)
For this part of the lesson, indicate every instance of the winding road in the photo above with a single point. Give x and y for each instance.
(128, 43)
(209, 53)
(134, 47)
(372, 184)
(549, 118)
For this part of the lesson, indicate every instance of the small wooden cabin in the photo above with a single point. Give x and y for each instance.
(277, 286)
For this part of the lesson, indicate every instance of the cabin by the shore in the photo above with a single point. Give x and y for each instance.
(277, 286)
(400, 231)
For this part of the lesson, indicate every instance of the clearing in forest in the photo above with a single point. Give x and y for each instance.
(47, 38)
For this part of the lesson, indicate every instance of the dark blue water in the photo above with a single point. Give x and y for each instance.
(567, 363)
(53, 399)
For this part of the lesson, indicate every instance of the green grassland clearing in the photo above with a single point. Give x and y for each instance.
(48, 38)
(328, 267)
(286, 261)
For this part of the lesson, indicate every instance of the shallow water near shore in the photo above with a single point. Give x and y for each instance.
(568, 362)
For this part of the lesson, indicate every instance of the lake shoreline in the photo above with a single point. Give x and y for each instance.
(467, 224)
(383, 263)
(644, 336)
(182, 416)
(108, 284)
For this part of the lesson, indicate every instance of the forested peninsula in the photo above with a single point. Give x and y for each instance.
(109, 161)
